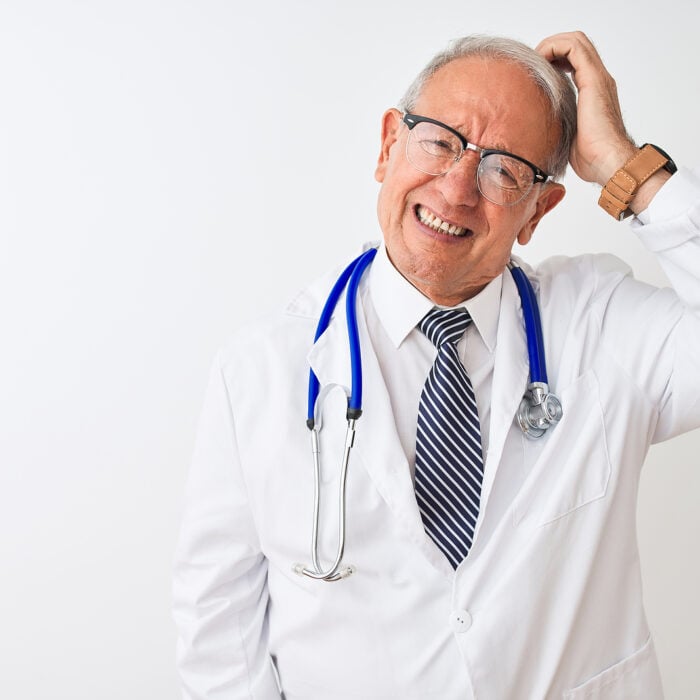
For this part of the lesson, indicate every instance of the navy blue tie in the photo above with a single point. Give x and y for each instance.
(449, 462)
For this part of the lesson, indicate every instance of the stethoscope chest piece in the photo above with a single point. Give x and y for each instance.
(538, 410)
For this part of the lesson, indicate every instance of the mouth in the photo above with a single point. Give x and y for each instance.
(434, 222)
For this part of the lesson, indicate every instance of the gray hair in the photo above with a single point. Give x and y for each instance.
(554, 84)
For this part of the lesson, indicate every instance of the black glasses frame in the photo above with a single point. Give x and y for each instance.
(410, 120)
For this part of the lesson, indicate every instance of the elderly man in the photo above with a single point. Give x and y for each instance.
(479, 560)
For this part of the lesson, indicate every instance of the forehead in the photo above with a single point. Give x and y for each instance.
(493, 102)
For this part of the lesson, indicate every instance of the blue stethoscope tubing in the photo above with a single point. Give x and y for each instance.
(349, 277)
(538, 410)
(533, 325)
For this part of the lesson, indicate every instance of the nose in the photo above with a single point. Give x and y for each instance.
(458, 185)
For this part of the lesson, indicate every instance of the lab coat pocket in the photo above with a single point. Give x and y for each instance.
(636, 676)
(569, 467)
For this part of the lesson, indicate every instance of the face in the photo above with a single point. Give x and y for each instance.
(494, 104)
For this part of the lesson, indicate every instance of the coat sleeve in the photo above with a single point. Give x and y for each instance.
(220, 592)
(666, 322)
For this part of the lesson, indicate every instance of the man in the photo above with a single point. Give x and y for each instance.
(528, 585)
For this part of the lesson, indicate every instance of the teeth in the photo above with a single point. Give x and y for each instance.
(429, 219)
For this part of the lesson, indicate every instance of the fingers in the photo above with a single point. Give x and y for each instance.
(565, 43)
(575, 53)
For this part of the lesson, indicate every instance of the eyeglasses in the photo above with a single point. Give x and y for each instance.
(434, 148)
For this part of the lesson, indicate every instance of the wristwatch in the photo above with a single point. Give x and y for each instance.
(621, 188)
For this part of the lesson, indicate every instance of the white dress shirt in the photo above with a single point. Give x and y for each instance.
(394, 310)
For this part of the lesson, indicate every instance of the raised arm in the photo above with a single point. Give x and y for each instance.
(602, 144)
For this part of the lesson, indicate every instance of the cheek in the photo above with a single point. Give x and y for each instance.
(507, 223)
(393, 198)
(384, 206)
(400, 178)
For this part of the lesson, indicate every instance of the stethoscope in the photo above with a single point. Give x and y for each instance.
(538, 410)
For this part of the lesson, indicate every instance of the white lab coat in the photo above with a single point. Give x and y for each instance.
(548, 603)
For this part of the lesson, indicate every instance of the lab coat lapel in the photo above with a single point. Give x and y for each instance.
(510, 376)
(376, 442)
(329, 357)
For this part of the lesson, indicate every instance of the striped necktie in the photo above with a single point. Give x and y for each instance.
(449, 463)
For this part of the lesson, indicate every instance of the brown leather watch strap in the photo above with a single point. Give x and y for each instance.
(621, 188)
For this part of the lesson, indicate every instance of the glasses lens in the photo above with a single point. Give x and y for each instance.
(432, 149)
(504, 180)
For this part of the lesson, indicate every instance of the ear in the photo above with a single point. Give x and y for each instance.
(391, 122)
(552, 193)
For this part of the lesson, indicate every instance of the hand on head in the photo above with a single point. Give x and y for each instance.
(602, 144)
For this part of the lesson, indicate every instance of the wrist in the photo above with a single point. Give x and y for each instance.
(648, 191)
(615, 160)
(634, 184)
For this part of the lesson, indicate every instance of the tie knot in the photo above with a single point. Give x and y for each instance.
(445, 325)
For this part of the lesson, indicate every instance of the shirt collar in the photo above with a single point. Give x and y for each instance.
(400, 306)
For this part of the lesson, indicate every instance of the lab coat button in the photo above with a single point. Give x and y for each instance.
(461, 620)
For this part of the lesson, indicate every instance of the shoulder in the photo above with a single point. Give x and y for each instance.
(285, 334)
(582, 278)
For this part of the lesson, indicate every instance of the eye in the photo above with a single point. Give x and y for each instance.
(441, 148)
(505, 172)
(500, 175)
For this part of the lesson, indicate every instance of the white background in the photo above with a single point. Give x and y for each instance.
(170, 169)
